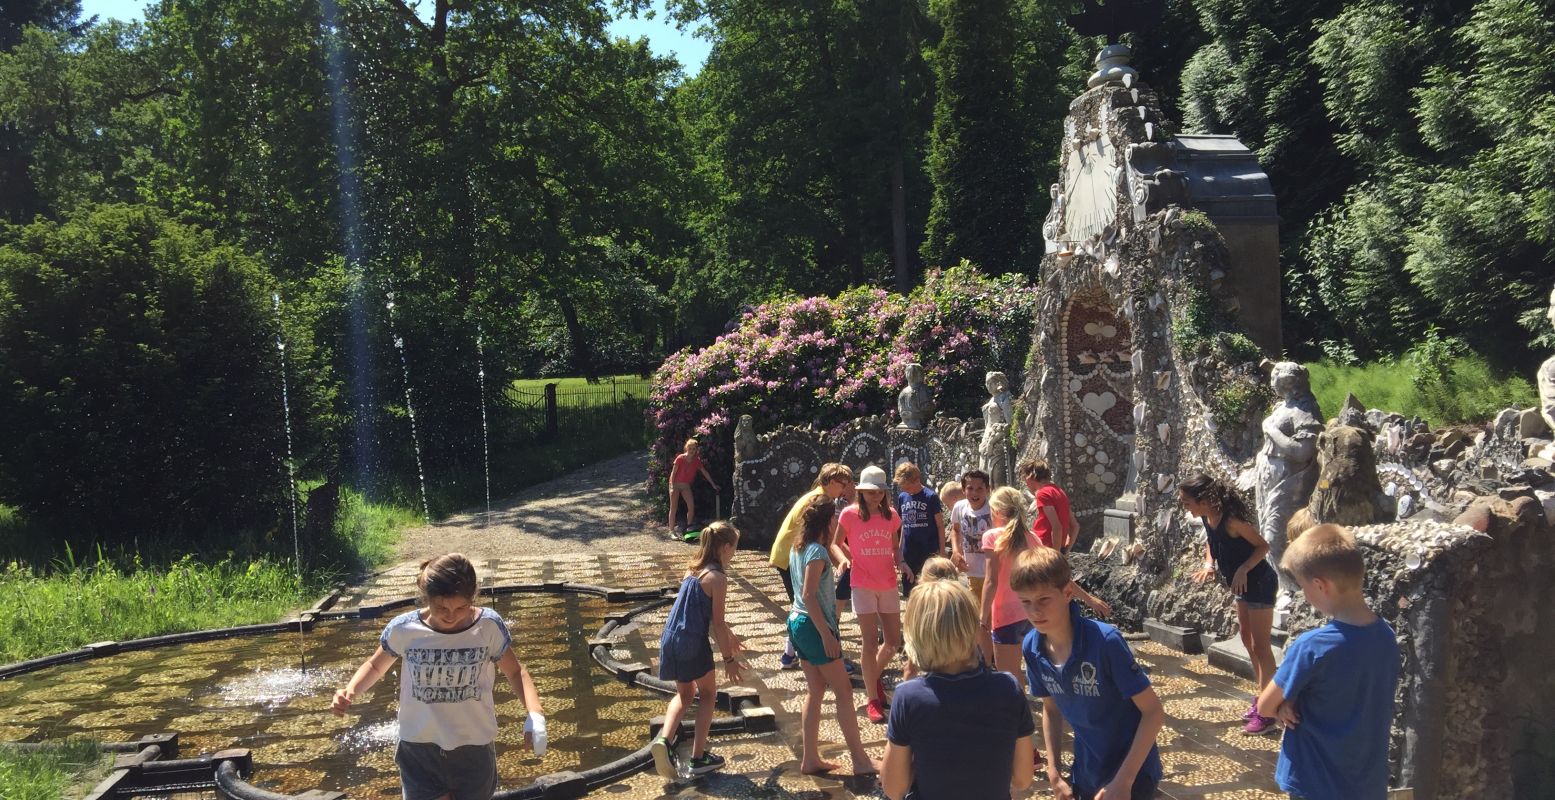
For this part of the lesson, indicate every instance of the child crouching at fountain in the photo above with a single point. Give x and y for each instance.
(447, 717)
(685, 656)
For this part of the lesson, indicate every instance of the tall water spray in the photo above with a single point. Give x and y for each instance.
(480, 373)
(286, 416)
(410, 408)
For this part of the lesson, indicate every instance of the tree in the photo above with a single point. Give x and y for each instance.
(19, 201)
(978, 158)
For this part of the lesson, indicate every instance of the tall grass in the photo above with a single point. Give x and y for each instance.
(77, 604)
(44, 774)
(1442, 389)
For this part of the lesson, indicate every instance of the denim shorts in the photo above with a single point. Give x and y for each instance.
(1013, 633)
(428, 772)
(1262, 584)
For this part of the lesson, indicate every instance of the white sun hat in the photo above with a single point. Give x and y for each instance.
(872, 477)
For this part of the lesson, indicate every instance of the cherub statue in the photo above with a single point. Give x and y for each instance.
(998, 415)
(916, 402)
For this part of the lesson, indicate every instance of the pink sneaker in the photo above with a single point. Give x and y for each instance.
(1252, 710)
(1259, 725)
(876, 712)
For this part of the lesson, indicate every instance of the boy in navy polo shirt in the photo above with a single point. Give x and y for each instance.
(1086, 674)
(923, 521)
(1334, 691)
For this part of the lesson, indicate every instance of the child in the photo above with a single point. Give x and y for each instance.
(1002, 614)
(1086, 675)
(962, 730)
(1234, 546)
(1334, 691)
(834, 481)
(686, 658)
(937, 568)
(970, 518)
(812, 626)
(447, 717)
(923, 520)
(870, 533)
(682, 474)
(1052, 519)
(950, 494)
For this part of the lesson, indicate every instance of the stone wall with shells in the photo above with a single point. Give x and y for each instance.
(771, 470)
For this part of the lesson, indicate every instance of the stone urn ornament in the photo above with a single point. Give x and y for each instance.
(1286, 469)
(993, 450)
(916, 402)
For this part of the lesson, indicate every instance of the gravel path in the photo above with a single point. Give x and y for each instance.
(599, 507)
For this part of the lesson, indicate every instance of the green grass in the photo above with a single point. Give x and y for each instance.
(76, 604)
(1466, 391)
(44, 774)
(577, 392)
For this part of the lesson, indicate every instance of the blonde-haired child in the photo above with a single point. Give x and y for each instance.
(960, 730)
(686, 658)
(682, 473)
(937, 568)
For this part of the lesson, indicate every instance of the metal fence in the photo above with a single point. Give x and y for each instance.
(605, 393)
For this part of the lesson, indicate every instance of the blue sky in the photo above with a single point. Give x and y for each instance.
(663, 38)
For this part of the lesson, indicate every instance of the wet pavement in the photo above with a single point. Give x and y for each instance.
(1204, 752)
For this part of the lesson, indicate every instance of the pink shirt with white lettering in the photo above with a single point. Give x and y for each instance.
(873, 546)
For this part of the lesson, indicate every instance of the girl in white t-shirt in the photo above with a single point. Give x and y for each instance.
(448, 720)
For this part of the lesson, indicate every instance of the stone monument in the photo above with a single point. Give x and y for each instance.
(1547, 377)
(916, 402)
(1286, 468)
(998, 414)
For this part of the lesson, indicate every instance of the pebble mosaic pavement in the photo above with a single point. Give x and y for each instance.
(1204, 752)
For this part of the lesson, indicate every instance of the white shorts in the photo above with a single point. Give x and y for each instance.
(876, 601)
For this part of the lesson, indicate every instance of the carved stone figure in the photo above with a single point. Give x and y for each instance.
(1348, 491)
(1286, 469)
(916, 402)
(1547, 377)
(744, 439)
(994, 455)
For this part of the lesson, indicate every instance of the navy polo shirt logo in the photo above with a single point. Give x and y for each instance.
(1085, 684)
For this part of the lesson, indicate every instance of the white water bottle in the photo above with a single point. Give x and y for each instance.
(535, 727)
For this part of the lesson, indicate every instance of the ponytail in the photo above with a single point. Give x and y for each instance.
(1008, 501)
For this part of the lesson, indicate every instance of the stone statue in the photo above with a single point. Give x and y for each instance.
(998, 414)
(1286, 469)
(1547, 377)
(744, 439)
(916, 402)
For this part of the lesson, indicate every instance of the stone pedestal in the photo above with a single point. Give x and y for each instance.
(1118, 521)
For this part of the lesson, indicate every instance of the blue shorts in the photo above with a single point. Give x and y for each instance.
(1262, 584)
(1013, 633)
(685, 660)
(428, 772)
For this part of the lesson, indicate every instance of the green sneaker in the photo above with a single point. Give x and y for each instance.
(705, 763)
(663, 758)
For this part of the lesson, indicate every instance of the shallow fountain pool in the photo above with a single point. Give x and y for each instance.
(248, 692)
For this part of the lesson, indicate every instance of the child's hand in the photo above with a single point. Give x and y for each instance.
(833, 647)
(1239, 581)
(1204, 574)
(733, 670)
(1287, 715)
(534, 733)
(907, 572)
(1101, 607)
(960, 562)
(343, 700)
(1061, 788)
(1119, 788)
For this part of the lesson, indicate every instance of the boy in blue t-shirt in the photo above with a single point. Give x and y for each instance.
(1086, 674)
(923, 521)
(1334, 691)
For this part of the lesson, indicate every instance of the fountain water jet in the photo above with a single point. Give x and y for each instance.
(410, 409)
(286, 416)
(480, 364)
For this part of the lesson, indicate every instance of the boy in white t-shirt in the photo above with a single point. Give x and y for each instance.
(970, 518)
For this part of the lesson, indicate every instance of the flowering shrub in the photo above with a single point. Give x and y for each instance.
(822, 361)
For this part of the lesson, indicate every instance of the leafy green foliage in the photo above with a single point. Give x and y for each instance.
(1438, 382)
(139, 382)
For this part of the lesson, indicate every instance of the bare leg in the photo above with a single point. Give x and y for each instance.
(1007, 658)
(892, 625)
(847, 719)
(674, 502)
(869, 630)
(1256, 624)
(691, 507)
(810, 761)
(707, 701)
(684, 693)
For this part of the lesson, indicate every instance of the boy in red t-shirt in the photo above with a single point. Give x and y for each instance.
(682, 474)
(1052, 519)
